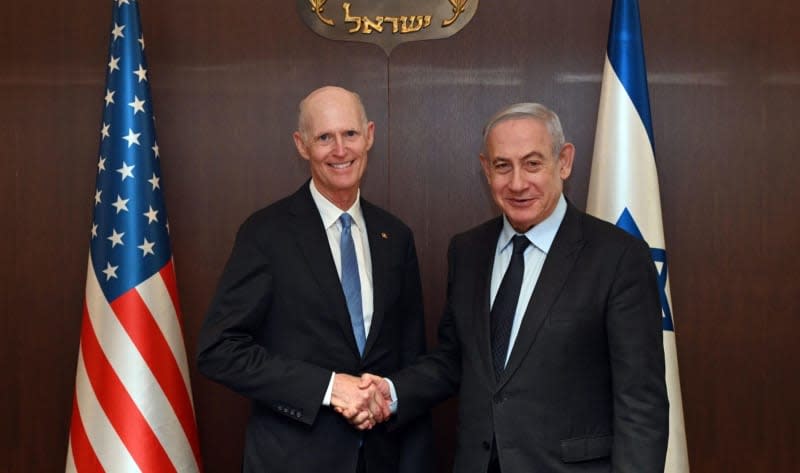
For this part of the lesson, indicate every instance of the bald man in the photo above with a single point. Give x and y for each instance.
(320, 287)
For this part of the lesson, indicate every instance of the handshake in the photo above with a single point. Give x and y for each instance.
(364, 401)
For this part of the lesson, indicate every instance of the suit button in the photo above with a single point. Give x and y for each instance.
(486, 445)
(499, 398)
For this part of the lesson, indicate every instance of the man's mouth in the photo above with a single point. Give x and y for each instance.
(518, 202)
(343, 165)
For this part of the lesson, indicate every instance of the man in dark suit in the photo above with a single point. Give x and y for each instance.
(552, 328)
(320, 287)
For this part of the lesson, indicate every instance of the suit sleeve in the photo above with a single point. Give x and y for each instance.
(228, 352)
(437, 375)
(636, 354)
(417, 449)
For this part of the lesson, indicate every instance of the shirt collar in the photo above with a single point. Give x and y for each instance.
(541, 235)
(330, 213)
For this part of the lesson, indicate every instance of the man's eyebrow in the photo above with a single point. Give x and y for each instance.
(532, 154)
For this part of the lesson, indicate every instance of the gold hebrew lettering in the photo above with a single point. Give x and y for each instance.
(414, 26)
(351, 19)
(394, 21)
(370, 25)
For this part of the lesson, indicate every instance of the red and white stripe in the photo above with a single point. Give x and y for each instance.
(133, 407)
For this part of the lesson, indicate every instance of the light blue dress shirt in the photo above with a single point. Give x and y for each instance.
(541, 237)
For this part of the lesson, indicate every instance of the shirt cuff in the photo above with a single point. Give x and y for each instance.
(393, 404)
(326, 401)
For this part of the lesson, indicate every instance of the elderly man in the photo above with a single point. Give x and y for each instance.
(320, 286)
(552, 327)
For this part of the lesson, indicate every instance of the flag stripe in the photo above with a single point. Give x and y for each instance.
(160, 304)
(81, 454)
(626, 56)
(105, 441)
(168, 275)
(122, 411)
(139, 322)
(623, 163)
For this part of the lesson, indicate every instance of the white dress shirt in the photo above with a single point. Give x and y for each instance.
(333, 227)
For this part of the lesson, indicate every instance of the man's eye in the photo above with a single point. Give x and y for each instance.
(502, 167)
(324, 137)
(351, 133)
(533, 165)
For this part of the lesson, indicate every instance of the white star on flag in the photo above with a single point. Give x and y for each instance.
(126, 171)
(117, 31)
(141, 73)
(137, 105)
(152, 215)
(116, 238)
(113, 64)
(121, 204)
(110, 271)
(154, 181)
(109, 97)
(132, 138)
(147, 248)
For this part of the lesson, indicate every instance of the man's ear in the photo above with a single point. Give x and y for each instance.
(370, 134)
(486, 166)
(565, 160)
(300, 145)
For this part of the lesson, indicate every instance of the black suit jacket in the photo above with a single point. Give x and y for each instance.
(278, 326)
(584, 386)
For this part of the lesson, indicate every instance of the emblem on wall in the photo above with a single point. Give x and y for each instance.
(386, 23)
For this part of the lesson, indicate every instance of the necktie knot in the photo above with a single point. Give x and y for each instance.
(346, 220)
(520, 243)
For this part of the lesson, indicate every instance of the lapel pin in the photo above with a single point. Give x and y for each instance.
(384, 235)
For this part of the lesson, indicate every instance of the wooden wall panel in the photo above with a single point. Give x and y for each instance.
(226, 78)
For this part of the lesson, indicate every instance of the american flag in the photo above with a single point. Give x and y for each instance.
(132, 409)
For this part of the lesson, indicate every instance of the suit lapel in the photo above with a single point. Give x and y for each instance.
(313, 242)
(379, 245)
(484, 253)
(557, 266)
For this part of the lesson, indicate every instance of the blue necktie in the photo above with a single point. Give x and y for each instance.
(505, 304)
(351, 284)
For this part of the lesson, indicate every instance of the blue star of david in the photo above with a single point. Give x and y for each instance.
(659, 255)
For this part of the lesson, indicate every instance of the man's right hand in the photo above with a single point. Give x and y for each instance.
(363, 403)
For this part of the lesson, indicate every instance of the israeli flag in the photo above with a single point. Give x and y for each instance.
(623, 188)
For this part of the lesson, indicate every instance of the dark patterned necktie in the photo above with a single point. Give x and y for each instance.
(505, 304)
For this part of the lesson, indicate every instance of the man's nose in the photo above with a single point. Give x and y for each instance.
(338, 147)
(517, 182)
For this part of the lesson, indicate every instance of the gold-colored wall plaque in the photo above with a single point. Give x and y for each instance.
(386, 23)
